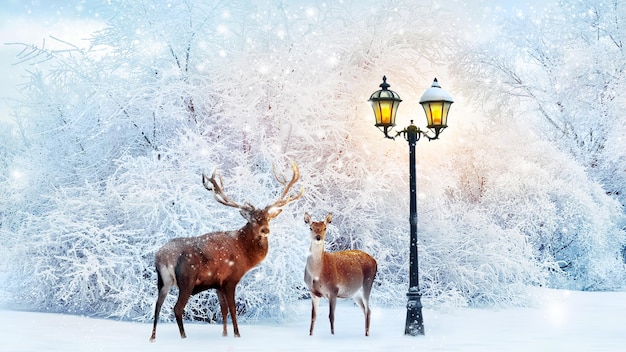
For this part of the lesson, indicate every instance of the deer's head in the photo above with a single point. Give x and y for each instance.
(258, 218)
(318, 228)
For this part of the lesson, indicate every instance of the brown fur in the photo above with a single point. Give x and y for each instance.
(216, 260)
(341, 274)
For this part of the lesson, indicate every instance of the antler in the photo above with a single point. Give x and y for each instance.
(218, 191)
(284, 198)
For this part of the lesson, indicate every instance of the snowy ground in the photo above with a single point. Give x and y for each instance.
(563, 321)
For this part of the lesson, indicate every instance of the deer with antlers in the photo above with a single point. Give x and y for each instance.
(341, 274)
(219, 259)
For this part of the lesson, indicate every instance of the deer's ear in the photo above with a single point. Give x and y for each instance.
(246, 213)
(329, 218)
(273, 212)
(307, 218)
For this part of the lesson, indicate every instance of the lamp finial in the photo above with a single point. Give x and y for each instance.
(384, 85)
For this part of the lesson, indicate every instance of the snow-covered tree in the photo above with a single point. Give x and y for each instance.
(562, 71)
(112, 140)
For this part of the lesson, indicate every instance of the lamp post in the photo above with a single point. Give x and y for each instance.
(436, 103)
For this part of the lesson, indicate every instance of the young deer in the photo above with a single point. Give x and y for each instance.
(341, 274)
(217, 260)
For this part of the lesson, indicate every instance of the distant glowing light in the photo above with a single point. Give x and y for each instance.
(557, 313)
(18, 178)
(16, 174)
(222, 29)
(311, 12)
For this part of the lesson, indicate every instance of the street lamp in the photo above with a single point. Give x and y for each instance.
(436, 103)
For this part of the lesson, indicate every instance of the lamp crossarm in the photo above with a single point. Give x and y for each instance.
(386, 130)
(425, 134)
(406, 132)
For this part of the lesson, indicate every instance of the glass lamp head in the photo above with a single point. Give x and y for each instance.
(385, 104)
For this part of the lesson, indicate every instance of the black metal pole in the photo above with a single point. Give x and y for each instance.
(414, 319)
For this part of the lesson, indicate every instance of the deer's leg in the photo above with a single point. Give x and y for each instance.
(229, 294)
(363, 303)
(332, 302)
(367, 320)
(163, 289)
(367, 289)
(183, 296)
(314, 304)
(224, 311)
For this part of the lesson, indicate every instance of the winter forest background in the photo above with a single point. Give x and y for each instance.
(101, 161)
